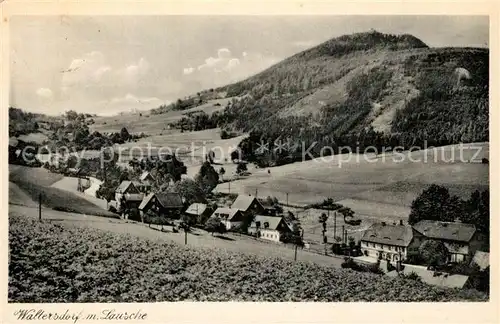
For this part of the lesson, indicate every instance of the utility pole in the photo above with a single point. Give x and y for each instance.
(287, 199)
(343, 234)
(255, 193)
(229, 184)
(295, 256)
(334, 224)
(40, 206)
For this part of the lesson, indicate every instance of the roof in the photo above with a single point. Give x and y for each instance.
(145, 201)
(145, 175)
(399, 235)
(482, 259)
(273, 221)
(123, 187)
(446, 230)
(427, 276)
(231, 212)
(169, 200)
(196, 209)
(243, 202)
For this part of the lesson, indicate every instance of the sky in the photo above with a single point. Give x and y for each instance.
(109, 64)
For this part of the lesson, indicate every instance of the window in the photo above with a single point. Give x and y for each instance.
(257, 224)
(266, 224)
(390, 248)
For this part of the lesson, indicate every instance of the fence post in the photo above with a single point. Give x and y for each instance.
(40, 206)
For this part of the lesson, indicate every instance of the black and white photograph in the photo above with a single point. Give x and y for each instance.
(247, 158)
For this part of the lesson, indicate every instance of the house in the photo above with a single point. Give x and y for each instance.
(430, 277)
(168, 204)
(230, 217)
(388, 242)
(199, 212)
(482, 259)
(248, 205)
(147, 178)
(129, 192)
(269, 227)
(462, 240)
(269, 208)
(142, 187)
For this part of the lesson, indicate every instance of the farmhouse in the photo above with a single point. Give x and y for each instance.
(230, 217)
(128, 192)
(462, 240)
(200, 212)
(269, 227)
(434, 278)
(167, 204)
(147, 178)
(248, 205)
(388, 242)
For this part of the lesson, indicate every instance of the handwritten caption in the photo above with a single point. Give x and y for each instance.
(33, 314)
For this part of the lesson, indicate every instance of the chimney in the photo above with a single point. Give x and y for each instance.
(401, 222)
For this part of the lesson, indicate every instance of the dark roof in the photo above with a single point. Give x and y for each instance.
(446, 230)
(123, 187)
(399, 235)
(169, 200)
(243, 202)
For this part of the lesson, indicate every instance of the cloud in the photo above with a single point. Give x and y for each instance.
(137, 69)
(88, 69)
(226, 68)
(188, 70)
(45, 93)
(129, 102)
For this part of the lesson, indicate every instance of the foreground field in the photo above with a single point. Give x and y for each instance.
(54, 263)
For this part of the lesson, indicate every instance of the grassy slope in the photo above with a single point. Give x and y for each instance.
(104, 267)
(30, 182)
(392, 185)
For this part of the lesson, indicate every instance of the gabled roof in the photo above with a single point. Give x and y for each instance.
(446, 230)
(243, 202)
(482, 259)
(123, 187)
(399, 235)
(429, 277)
(145, 201)
(145, 175)
(273, 221)
(169, 200)
(196, 209)
(233, 214)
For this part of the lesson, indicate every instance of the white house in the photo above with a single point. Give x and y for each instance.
(269, 227)
(388, 242)
(230, 217)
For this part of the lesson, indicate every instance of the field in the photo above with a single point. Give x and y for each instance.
(152, 124)
(381, 188)
(100, 266)
(26, 184)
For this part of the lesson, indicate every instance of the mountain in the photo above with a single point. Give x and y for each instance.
(384, 87)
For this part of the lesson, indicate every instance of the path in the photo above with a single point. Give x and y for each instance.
(198, 239)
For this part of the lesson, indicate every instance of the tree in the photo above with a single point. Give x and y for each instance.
(190, 190)
(207, 178)
(124, 134)
(222, 171)
(435, 203)
(214, 225)
(242, 167)
(433, 253)
(71, 115)
(323, 218)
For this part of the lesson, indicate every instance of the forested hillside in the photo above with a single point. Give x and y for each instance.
(370, 88)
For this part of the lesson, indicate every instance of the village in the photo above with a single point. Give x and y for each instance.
(385, 248)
